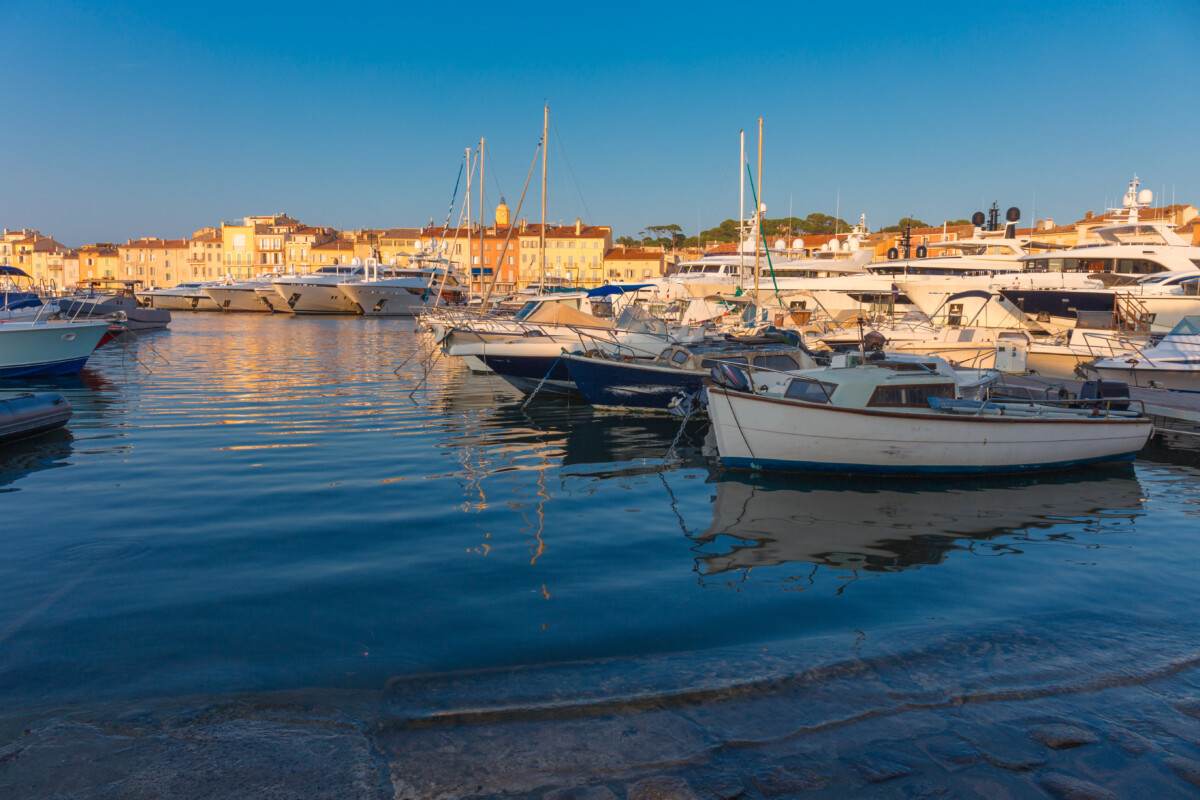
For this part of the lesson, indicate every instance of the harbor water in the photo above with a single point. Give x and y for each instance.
(311, 556)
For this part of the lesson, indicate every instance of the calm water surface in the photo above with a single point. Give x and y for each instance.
(252, 503)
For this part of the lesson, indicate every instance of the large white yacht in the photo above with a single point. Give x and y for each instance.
(244, 295)
(181, 297)
(317, 292)
(1141, 263)
(402, 291)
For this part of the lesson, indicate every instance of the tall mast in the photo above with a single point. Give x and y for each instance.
(467, 203)
(482, 271)
(542, 230)
(742, 211)
(758, 211)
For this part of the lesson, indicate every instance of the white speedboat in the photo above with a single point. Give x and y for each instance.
(317, 292)
(1171, 363)
(903, 418)
(184, 297)
(48, 347)
(18, 300)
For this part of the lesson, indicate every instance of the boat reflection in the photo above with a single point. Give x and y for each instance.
(23, 458)
(762, 522)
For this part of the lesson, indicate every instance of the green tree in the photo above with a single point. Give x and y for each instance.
(663, 235)
(627, 241)
(903, 223)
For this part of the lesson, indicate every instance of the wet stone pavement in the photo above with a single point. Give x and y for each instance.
(1131, 739)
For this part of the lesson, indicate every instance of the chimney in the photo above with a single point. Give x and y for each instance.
(1088, 215)
(578, 226)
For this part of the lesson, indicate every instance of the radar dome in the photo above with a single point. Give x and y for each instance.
(780, 244)
(852, 245)
(1145, 197)
(502, 214)
(835, 245)
(797, 244)
(1127, 201)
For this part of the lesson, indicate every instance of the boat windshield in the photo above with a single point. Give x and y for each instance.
(639, 320)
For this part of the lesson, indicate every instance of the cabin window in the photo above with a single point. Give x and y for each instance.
(778, 361)
(712, 269)
(810, 390)
(911, 395)
(679, 356)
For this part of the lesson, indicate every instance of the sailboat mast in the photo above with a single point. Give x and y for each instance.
(470, 172)
(742, 211)
(758, 211)
(542, 229)
(482, 258)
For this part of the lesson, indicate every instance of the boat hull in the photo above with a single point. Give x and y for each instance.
(619, 385)
(527, 373)
(235, 298)
(28, 349)
(765, 433)
(383, 301)
(315, 298)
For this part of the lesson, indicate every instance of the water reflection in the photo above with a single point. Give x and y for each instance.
(23, 458)
(769, 521)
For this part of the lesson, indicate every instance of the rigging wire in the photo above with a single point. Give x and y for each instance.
(562, 149)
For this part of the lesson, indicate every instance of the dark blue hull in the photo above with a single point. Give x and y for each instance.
(1064, 303)
(607, 383)
(68, 367)
(526, 373)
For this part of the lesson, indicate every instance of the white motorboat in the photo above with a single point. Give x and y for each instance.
(902, 418)
(48, 346)
(106, 297)
(18, 299)
(183, 297)
(402, 292)
(317, 292)
(1170, 363)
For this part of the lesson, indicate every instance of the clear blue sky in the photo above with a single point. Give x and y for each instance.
(137, 119)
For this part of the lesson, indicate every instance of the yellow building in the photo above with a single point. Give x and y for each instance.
(45, 264)
(632, 264)
(397, 244)
(155, 262)
(257, 245)
(300, 243)
(205, 261)
(8, 243)
(102, 260)
(574, 253)
(337, 251)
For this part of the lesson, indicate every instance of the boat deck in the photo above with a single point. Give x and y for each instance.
(1178, 412)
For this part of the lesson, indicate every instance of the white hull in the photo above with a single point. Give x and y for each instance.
(314, 298)
(48, 347)
(271, 300)
(387, 301)
(179, 302)
(238, 297)
(1183, 379)
(778, 434)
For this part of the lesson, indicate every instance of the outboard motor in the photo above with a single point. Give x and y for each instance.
(1106, 390)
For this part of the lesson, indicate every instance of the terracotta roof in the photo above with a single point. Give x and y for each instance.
(402, 233)
(336, 244)
(632, 254)
(1144, 215)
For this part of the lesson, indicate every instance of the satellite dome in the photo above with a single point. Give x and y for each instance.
(1145, 197)
(780, 244)
(797, 244)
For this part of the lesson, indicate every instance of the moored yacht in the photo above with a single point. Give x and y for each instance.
(317, 292)
(401, 292)
(183, 297)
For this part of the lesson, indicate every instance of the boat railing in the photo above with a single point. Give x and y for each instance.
(1098, 407)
